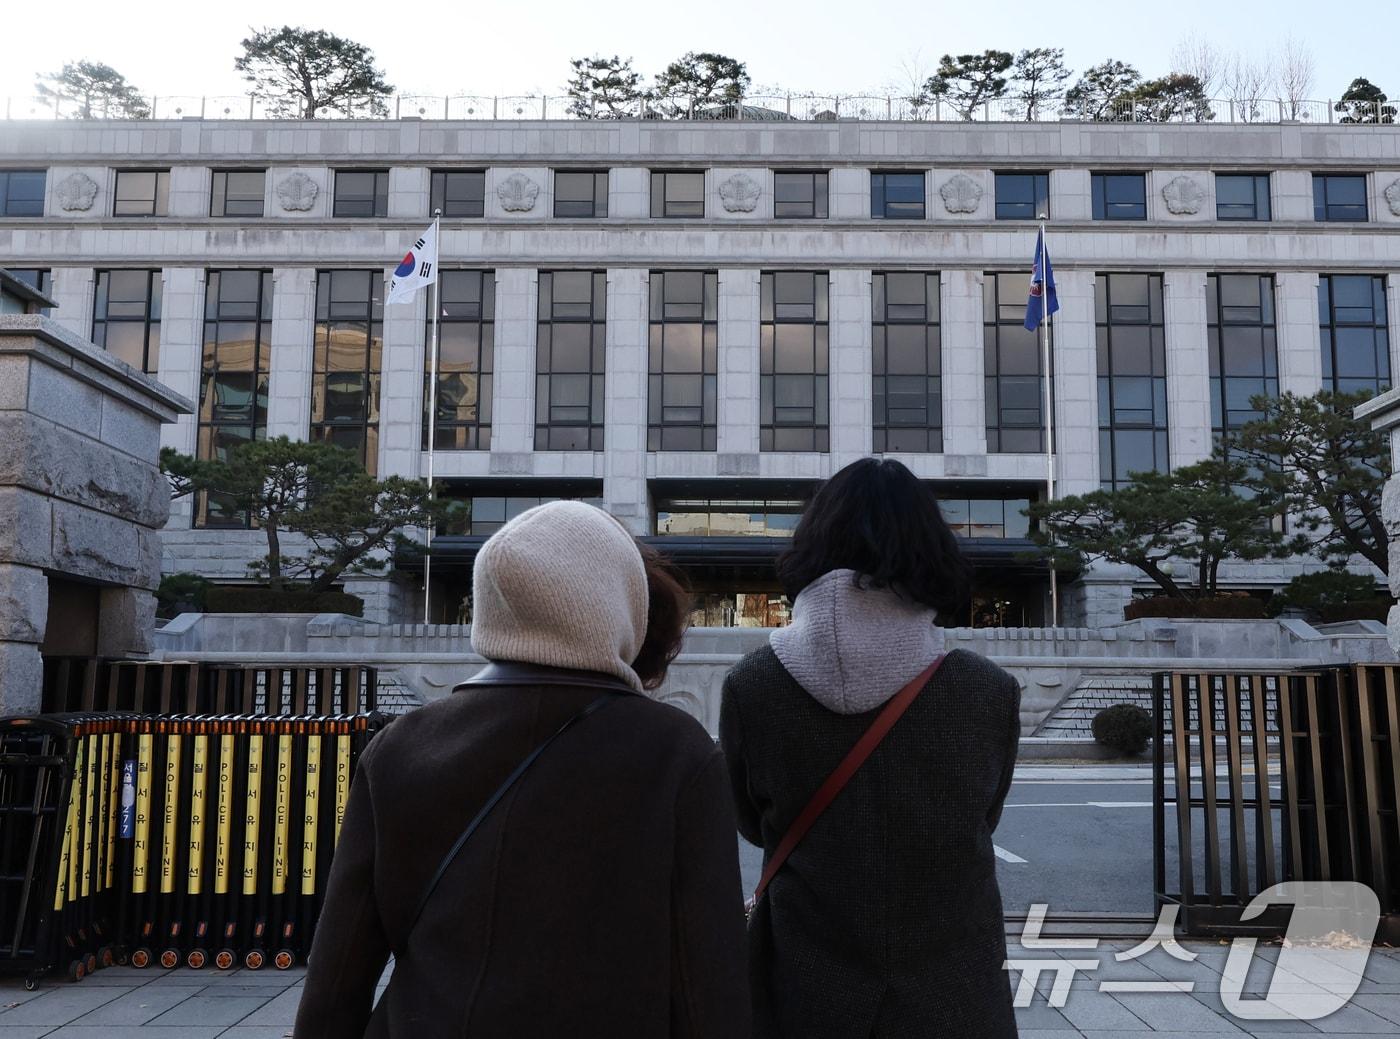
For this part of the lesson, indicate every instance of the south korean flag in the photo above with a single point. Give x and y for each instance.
(418, 268)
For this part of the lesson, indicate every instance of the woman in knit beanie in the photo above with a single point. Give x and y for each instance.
(600, 895)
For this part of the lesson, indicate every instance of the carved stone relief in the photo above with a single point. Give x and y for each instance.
(76, 192)
(297, 193)
(517, 193)
(961, 194)
(739, 193)
(1183, 196)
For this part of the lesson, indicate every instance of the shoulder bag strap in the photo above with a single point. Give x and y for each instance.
(500, 793)
(850, 765)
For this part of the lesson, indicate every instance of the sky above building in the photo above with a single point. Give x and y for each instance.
(167, 48)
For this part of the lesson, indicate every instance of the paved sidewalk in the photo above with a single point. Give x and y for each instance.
(124, 1003)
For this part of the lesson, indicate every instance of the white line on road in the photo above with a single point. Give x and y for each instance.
(1007, 856)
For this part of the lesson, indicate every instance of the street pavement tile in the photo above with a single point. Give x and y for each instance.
(136, 1007)
(1088, 1009)
(282, 1010)
(134, 1032)
(1166, 1011)
(13, 993)
(211, 1010)
(258, 1032)
(58, 1006)
(1356, 1020)
(23, 1031)
(1042, 1018)
(1387, 1007)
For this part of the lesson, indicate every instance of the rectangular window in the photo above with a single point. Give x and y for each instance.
(21, 192)
(800, 196)
(40, 278)
(677, 193)
(126, 317)
(1119, 196)
(347, 360)
(1339, 196)
(569, 361)
(487, 511)
(896, 196)
(361, 193)
(908, 391)
(1132, 367)
(1243, 343)
(986, 517)
(1022, 196)
(793, 351)
(1242, 196)
(1355, 340)
(466, 346)
(237, 193)
(581, 195)
(459, 193)
(1014, 376)
(233, 377)
(142, 193)
(727, 517)
(682, 361)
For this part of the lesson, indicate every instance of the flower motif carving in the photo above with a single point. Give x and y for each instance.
(739, 194)
(1183, 196)
(76, 192)
(961, 194)
(517, 193)
(1392, 197)
(297, 193)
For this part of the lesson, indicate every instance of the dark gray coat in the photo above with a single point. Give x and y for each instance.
(886, 922)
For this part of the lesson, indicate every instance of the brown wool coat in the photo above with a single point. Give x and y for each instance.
(600, 898)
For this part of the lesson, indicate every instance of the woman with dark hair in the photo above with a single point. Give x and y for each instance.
(546, 852)
(884, 919)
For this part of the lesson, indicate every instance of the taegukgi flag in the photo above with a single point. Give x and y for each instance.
(418, 269)
(1042, 281)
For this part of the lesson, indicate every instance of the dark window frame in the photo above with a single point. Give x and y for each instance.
(663, 207)
(361, 318)
(218, 191)
(453, 432)
(1331, 324)
(775, 383)
(597, 202)
(1228, 366)
(1003, 322)
(159, 201)
(776, 517)
(467, 206)
(1117, 422)
(1327, 211)
(40, 278)
(149, 319)
(29, 207)
(1039, 195)
(890, 434)
(818, 207)
(210, 423)
(880, 203)
(562, 432)
(960, 513)
(670, 319)
(377, 204)
(1259, 210)
(1114, 208)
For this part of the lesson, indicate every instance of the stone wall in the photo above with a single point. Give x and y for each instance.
(81, 497)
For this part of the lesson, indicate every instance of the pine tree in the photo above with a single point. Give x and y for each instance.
(97, 91)
(970, 80)
(299, 72)
(604, 88)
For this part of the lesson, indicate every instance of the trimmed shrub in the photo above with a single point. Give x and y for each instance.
(1124, 727)
(257, 599)
(1221, 607)
(1333, 595)
(181, 593)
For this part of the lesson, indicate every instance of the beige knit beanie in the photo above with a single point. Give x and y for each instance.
(562, 584)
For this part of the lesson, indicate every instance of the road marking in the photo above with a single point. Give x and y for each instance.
(1007, 856)
(1079, 804)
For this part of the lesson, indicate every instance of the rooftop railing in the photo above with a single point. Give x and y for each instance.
(770, 107)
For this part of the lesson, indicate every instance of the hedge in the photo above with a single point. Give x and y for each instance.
(237, 599)
(1222, 607)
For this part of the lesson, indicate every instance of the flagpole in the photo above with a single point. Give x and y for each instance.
(432, 426)
(1049, 404)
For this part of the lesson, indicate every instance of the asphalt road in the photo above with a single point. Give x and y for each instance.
(1076, 844)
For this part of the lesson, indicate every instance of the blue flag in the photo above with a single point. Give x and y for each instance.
(1042, 281)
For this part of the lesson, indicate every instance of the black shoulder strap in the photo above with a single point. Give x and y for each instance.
(500, 793)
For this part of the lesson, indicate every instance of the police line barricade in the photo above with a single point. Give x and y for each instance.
(195, 840)
(1275, 777)
(189, 687)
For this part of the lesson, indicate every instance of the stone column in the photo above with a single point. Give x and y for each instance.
(409, 194)
(189, 191)
(851, 366)
(181, 359)
(24, 609)
(401, 387)
(513, 394)
(289, 361)
(72, 292)
(964, 385)
(1299, 342)
(1188, 367)
(625, 399)
(1392, 320)
(629, 193)
(1071, 198)
(1292, 195)
(1076, 385)
(736, 437)
(848, 193)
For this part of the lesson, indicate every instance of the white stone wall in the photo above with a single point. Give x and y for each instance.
(1188, 367)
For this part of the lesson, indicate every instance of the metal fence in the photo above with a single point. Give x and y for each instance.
(1331, 738)
(781, 107)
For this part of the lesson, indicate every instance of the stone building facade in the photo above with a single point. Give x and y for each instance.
(1196, 264)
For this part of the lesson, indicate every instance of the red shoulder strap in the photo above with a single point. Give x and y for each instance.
(850, 765)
